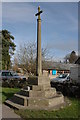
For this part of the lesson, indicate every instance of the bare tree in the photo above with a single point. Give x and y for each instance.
(66, 58)
(26, 56)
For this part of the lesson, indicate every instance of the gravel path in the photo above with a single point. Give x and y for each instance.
(8, 112)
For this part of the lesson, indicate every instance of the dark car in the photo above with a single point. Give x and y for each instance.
(10, 75)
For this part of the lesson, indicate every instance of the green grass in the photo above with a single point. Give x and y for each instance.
(0, 94)
(67, 112)
(8, 92)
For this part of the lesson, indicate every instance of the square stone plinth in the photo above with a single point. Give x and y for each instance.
(39, 80)
(40, 93)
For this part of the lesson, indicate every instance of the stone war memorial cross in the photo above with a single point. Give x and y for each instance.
(39, 79)
(40, 95)
(39, 60)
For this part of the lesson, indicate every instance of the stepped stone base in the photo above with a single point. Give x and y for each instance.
(40, 96)
(40, 104)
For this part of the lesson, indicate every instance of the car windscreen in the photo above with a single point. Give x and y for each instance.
(0, 73)
(14, 74)
(62, 76)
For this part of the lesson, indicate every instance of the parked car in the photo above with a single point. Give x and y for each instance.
(7, 75)
(61, 78)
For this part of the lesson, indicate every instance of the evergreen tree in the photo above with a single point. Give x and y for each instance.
(8, 48)
(73, 57)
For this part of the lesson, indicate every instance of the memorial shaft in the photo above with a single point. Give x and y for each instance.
(39, 54)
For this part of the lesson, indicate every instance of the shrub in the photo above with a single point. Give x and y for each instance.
(14, 83)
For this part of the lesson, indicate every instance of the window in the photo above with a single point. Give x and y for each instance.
(62, 76)
(6, 74)
(53, 72)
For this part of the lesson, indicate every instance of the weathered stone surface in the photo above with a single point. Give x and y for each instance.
(39, 54)
(14, 105)
(39, 80)
(38, 102)
(50, 93)
(24, 93)
(19, 99)
(41, 87)
(56, 100)
(40, 93)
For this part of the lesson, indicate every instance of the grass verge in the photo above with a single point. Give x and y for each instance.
(72, 111)
(8, 92)
(67, 112)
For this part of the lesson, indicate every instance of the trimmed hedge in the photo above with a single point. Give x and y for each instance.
(14, 83)
(68, 89)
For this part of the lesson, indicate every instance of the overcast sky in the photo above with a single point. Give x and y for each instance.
(59, 25)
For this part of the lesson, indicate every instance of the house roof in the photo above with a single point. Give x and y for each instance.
(77, 61)
(58, 66)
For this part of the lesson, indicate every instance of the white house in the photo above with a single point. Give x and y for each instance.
(75, 71)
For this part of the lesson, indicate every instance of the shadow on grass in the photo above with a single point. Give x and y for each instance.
(8, 93)
(6, 96)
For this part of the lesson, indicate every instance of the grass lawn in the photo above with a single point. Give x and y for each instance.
(67, 112)
(8, 92)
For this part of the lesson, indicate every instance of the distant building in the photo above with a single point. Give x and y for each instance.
(55, 68)
(77, 61)
(75, 71)
(0, 65)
